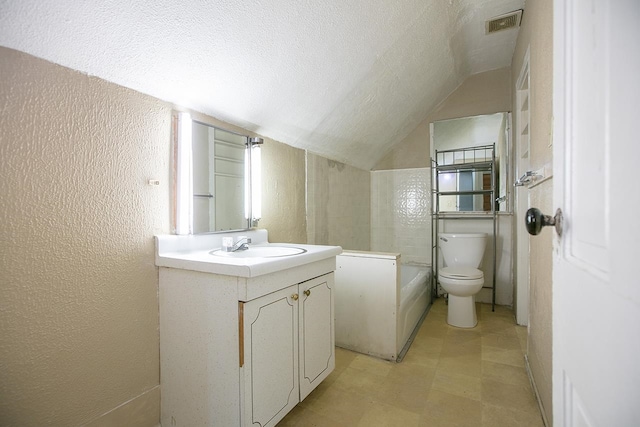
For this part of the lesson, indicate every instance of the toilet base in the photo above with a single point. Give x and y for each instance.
(462, 311)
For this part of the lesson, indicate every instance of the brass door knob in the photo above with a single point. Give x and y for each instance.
(294, 297)
(307, 292)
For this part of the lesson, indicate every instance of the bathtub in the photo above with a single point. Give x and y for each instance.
(378, 302)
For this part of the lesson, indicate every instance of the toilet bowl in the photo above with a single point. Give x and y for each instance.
(461, 280)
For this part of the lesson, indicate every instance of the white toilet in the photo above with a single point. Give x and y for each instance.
(460, 278)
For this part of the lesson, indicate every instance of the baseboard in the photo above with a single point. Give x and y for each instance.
(143, 410)
(535, 390)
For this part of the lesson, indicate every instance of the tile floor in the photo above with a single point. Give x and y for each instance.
(449, 377)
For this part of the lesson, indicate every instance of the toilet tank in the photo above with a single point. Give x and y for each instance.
(462, 249)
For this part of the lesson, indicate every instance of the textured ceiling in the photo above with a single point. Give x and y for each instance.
(346, 79)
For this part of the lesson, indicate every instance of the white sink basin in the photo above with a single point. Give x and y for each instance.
(201, 252)
(267, 251)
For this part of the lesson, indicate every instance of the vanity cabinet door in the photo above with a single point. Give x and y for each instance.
(317, 338)
(270, 371)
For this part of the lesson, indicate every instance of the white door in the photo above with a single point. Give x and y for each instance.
(596, 279)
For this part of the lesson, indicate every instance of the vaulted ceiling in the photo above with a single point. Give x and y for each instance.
(346, 79)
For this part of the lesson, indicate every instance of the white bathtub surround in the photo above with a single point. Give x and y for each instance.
(401, 213)
(378, 302)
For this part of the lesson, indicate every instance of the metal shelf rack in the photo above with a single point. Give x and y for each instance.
(472, 159)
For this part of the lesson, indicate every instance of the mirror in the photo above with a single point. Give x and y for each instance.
(470, 140)
(218, 179)
(213, 178)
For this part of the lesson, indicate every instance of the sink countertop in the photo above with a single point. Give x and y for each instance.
(170, 254)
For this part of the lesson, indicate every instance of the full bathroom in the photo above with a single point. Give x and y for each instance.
(89, 170)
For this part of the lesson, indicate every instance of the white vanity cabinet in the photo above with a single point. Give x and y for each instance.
(243, 351)
(288, 348)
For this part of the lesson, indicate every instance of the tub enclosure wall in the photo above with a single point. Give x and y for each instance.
(370, 315)
(361, 283)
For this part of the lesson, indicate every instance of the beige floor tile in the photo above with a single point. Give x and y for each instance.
(344, 358)
(303, 417)
(462, 335)
(412, 372)
(439, 306)
(360, 382)
(386, 415)
(339, 405)
(371, 364)
(445, 410)
(507, 326)
(504, 340)
(436, 310)
(321, 388)
(512, 357)
(500, 310)
(344, 354)
(409, 396)
(493, 327)
(510, 396)
(416, 357)
(470, 348)
(433, 329)
(466, 364)
(433, 319)
(449, 377)
(507, 374)
(427, 345)
(457, 384)
(493, 416)
(522, 333)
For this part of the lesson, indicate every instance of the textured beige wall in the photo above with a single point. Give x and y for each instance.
(283, 193)
(537, 32)
(338, 204)
(483, 93)
(78, 290)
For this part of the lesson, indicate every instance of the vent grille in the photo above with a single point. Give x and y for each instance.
(504, 22)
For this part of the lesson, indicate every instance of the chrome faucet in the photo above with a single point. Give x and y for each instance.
(241, 245)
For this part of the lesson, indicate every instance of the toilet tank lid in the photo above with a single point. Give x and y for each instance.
(465, 235)
(461, 273)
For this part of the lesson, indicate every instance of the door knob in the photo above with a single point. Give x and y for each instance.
(534, 221)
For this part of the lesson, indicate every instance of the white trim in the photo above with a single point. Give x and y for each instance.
(184, 187)
(520, 259)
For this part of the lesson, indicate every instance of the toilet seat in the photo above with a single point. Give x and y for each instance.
(461, 273)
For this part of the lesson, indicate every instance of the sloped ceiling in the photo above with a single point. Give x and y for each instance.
(346, 79)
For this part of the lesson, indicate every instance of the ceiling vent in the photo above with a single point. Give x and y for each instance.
(504, 22)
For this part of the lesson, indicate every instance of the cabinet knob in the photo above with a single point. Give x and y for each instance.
(307, 292)
(294, 297)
